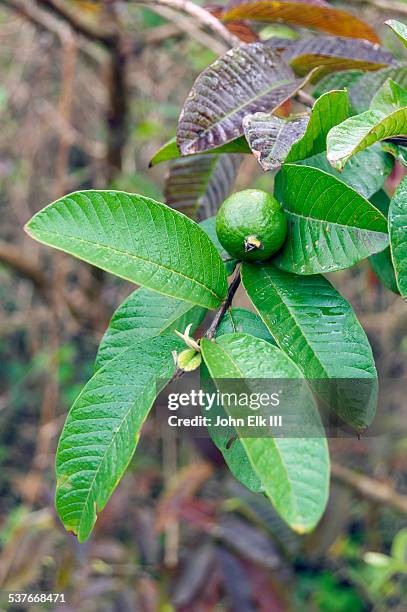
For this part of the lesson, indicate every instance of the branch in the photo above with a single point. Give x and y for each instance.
(12, 257)
(201, 15)
(39, 17)
(90, 31)
(371, 489)
(233, 287)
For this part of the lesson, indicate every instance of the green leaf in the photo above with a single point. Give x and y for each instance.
(145, 314)
(170, 150)
(103, 427)
(382, 263)
(329, 110)
(400, 29)
(344, 79)
(362, 92)
(366, 173)
(333, 53)
(234, 453)
(318, 330)
(361, 131)
(398, 235)
(390, 97)
(313, 14)
(293, 471)
(209, 226)
(247, 79)
(241, 320)
(274, 140)
(330, 226)
(138, 239)
(197, 185)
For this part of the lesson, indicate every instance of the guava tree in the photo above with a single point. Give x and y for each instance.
(327, 115)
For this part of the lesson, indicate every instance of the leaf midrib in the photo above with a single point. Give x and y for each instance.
(292, 495)
(127, 254)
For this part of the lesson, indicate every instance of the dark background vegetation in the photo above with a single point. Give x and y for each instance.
(83, 108)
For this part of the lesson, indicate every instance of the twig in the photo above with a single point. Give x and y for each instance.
(12, 256)
(304, 98)
(371, 489)
(188, 26)
(234, 285)
(90, 31)
(201, 15)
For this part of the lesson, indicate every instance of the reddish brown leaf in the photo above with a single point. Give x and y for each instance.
(247, 79)
(310, 14)
(239, 28)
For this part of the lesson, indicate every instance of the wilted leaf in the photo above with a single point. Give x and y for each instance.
(270, 138)
(330, 226)
(333, 53)
(319, 331)
(103, 427)
(145, 314)
(247, 79)
(307, 13)
(138, 239)
(400, 29)
(361, 131)
(170, 150)
(362, 92)
(197, 185)
(398, 235)
(293, 471)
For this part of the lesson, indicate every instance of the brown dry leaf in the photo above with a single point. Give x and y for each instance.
(310, 14)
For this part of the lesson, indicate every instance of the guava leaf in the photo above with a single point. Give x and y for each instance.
(398, 235)
(103, 427)
(294, 472)
(319, 331)
(307, 13)
(242, 320)
(145, 314)
(343, 79)
(361, 131)
(138, 239)
(247, 79)
(329, 110)
(197, 185)
(333, 53)
(170, 150)
(270, 138)
(362, 92)
(274, 140)
(400, 29)
(389, 98)
(209, 226)
(330, 226)
(366, 173)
